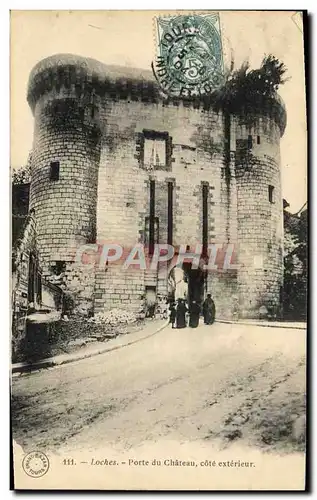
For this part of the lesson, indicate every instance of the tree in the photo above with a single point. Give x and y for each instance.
(246, 87)
(21, 175)
(295, 265)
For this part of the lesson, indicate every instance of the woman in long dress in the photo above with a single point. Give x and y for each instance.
(209, 310)
(194, 313)
(181, 314)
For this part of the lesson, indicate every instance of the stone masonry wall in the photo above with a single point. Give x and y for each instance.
(260, 224)
(65, 208)
(123, 185)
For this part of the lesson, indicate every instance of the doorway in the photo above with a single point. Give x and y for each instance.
(187, 283)
(196, 280)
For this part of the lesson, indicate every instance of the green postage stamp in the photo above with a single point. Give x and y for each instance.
(189, 54)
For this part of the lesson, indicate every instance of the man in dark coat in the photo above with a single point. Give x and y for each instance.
(209, 310)
(181, 314)
(194, 313)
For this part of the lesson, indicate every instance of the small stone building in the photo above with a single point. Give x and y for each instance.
(29, 291)
(115, 162)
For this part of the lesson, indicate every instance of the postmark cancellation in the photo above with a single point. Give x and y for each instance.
(189, 60)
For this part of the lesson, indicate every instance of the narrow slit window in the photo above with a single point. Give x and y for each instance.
(258, 140)
(32, 277)
(170, 188)
(205, 188)
(39, 288)
(54, 171)
(271, 194)
(147, 230)
(152, 218)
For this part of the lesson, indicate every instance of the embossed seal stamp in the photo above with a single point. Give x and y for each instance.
(35, 464)
(189, 55)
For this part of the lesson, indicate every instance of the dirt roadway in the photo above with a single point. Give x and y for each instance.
(221, 383)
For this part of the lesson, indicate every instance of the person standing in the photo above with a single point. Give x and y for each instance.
(172, 314)
(194, 312)
(209, 310)
(181, 314)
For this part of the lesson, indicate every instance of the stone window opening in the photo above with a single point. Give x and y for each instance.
(39, 288)
(150, 301)
(170, 189)
(152, 218)
(155, 238)
(156, 150)
(58, 267)
(205, 193)
(258, 140)
(32, 278)
(54, 171)
(57, 272)
(271, 194)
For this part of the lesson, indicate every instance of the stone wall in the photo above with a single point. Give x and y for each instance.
(197, 158)
(223, 287)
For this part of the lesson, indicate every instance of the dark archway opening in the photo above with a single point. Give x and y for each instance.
(187, 283)
(196, 279)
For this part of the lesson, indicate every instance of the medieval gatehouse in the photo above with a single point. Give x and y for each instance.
(113, 161)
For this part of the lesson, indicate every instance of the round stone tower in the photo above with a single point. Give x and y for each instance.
(259, 209)
(65, 158)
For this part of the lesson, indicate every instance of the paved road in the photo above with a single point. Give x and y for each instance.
(223, 382)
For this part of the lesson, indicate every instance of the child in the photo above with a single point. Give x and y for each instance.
(172, 314)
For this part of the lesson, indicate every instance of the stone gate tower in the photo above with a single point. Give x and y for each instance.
(259, 211)
(114, 161)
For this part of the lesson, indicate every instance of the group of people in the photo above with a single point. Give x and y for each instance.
(179, 312)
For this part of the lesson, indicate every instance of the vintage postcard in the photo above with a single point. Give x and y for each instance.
(159, 250)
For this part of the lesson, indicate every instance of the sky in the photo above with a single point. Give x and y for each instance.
(128, 38)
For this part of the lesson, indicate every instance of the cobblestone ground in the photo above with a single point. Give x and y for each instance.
(221, 383)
